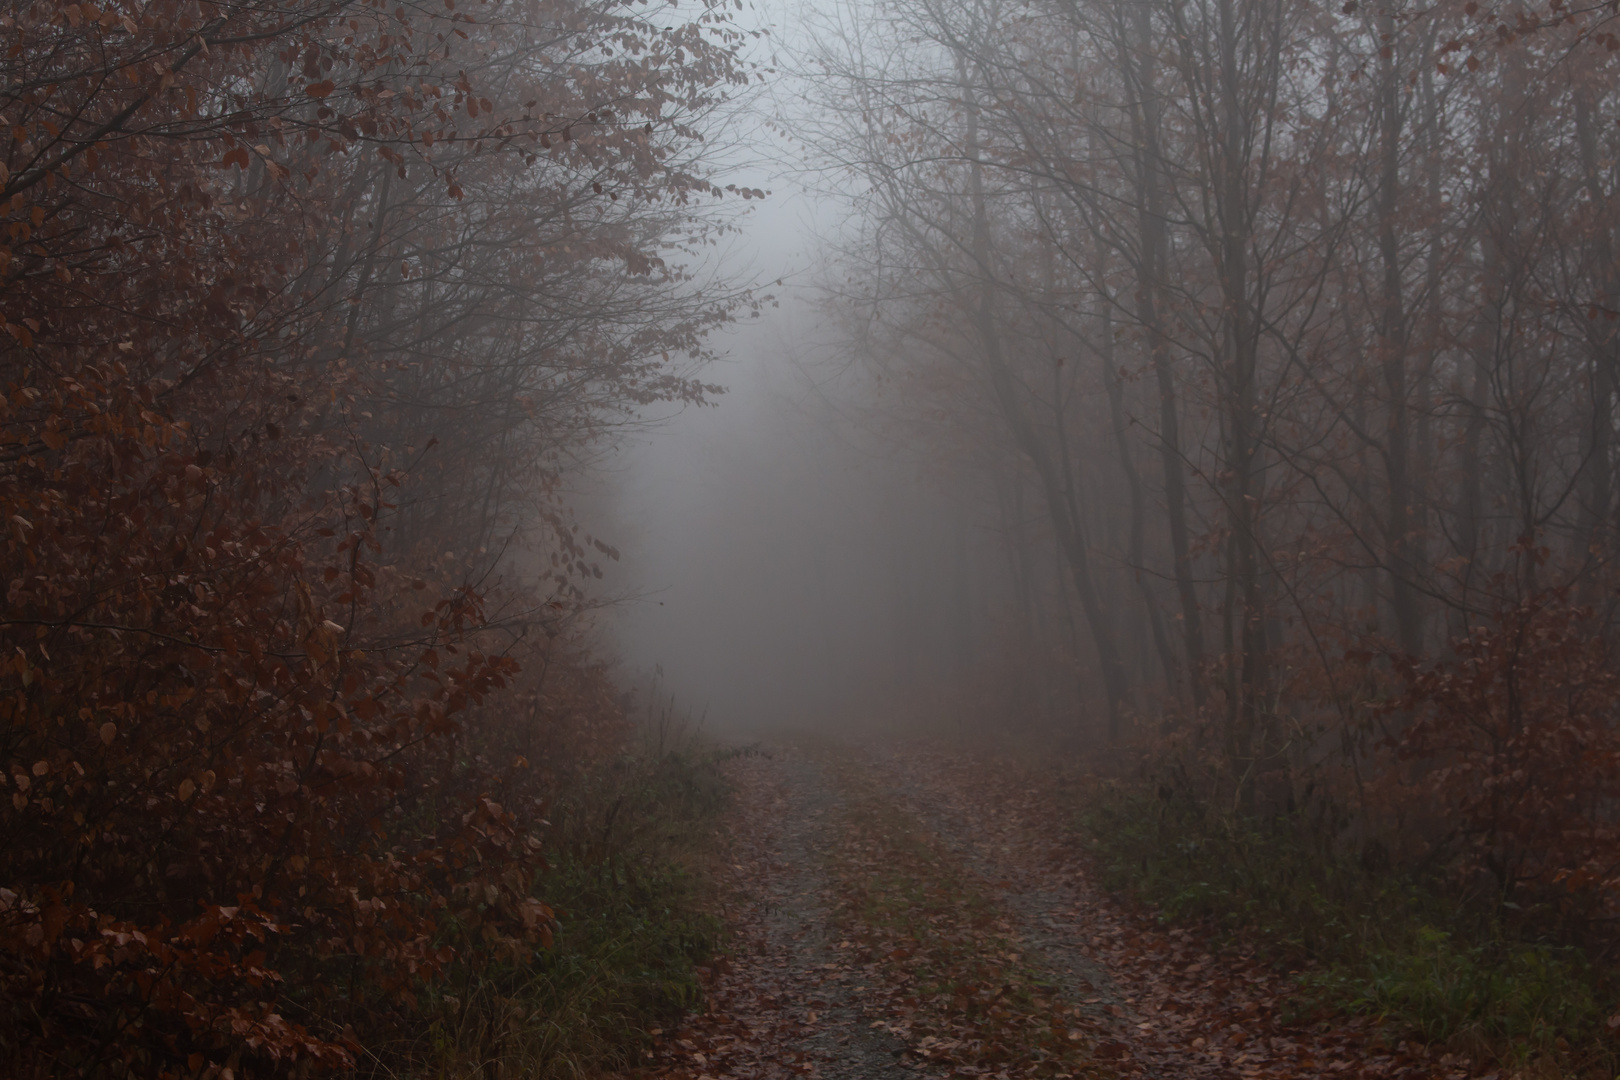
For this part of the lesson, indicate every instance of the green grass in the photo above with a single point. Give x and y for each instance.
(628, 945)
(1440, 988)
(1424, 960)
(626, 853)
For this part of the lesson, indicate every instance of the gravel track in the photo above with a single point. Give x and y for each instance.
(789, 1001)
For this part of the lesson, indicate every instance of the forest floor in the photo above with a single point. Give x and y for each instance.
(904, 913)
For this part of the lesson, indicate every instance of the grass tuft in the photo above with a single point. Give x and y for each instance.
(629, 941)
(627, 851)
(1426, 961)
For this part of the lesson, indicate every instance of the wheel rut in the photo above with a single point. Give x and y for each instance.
(820, 978)
(781, 1004)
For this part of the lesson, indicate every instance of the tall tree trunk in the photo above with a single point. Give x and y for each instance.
(1133, 482)
(1425, 454)
(1062, 498)
(1247, 709)
(1393, 343)
(1597, 474)
(1150, 305)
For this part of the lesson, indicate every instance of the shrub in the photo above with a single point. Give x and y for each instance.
(1517, 749)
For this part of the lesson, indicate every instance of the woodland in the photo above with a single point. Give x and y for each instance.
(1273, 343)
(308, 308)
(1274, 346)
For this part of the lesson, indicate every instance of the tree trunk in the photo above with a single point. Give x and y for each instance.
(1393, 343)
(1062, 498)
(1151, 266)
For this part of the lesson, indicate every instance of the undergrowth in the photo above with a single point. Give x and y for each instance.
(626, 877)
(1413, 952)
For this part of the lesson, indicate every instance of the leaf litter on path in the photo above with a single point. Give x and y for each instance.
(896, 913)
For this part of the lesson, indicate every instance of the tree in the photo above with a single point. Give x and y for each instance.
(302, 300)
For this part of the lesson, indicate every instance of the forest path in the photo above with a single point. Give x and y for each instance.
(897, 912)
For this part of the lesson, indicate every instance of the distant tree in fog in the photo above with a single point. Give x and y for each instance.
(1300, 320)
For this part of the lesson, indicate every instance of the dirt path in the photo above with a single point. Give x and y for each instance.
(780, 1004)
(902, 914)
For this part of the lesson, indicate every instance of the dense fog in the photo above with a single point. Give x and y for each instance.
(785, 560)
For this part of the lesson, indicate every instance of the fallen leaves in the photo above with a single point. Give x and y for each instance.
(909, 912)
(1172, 1006)
(955, 984)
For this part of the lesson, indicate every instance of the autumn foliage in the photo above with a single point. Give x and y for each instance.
(1276, 345)
(1519, 751)
(306, 306)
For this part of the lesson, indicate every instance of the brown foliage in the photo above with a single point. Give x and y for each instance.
(1516, 734)
(964, 930)
(254, 256)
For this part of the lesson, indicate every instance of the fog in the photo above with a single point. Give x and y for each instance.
(1023, 437)
(1224, 394)
(785, 563)
(800, 553)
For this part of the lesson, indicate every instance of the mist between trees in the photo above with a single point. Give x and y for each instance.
(1273, 342)
(309, 309)
(1287, 331)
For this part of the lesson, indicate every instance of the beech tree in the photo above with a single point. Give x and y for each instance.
(307, 307)
(1302, 320)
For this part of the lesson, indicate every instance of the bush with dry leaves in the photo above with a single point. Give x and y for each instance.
(299, 299)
